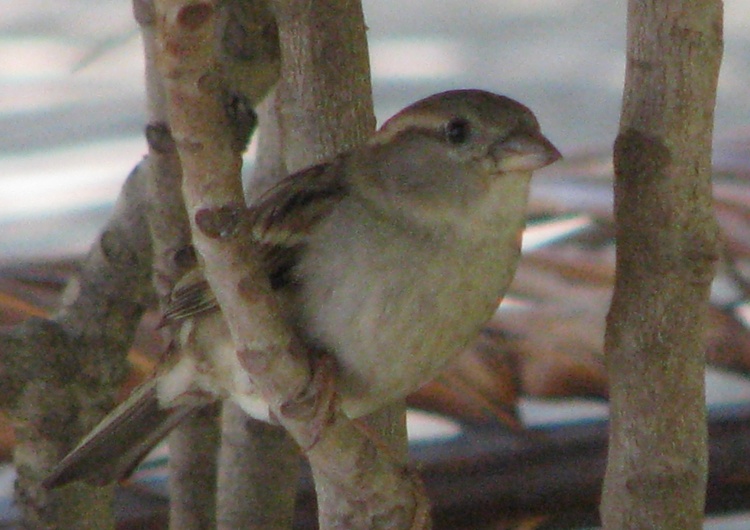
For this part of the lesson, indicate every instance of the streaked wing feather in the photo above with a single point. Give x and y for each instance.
(280, 222)
(286, 214)
(125, 436)
(191, 296)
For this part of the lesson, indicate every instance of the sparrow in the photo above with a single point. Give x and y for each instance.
(388, 258)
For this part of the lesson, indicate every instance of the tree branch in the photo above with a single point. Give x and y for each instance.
(246, 46)
(667, 249)
(195, 441)
(253, 494)
(378, 493)
(58, 377)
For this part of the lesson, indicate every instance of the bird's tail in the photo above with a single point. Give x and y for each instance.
(121, 440)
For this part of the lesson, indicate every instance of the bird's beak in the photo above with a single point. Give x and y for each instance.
(524, 151)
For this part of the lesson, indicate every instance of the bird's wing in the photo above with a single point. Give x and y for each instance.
(286, 214)
(121, 440)
(280, 222)
(190, 296)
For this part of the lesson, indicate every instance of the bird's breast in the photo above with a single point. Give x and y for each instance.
(394, 310)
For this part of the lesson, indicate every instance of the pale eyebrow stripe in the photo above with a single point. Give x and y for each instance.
(426, 122)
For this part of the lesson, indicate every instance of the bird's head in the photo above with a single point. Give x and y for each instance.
(454, 157)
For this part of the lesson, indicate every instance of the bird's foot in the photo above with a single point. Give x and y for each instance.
(316, 404)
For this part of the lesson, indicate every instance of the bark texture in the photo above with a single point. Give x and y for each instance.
(667, 249)
(253, 494)
(258, 474)
(58, 376)
(245, 43)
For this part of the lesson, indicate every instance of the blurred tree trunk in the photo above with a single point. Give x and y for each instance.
(666, 253)
(58, 376)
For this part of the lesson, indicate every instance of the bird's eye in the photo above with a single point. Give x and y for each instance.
(457, 131)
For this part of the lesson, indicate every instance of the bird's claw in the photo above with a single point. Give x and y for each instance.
(316, 404)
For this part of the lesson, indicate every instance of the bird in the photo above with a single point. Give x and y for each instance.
(388, 258)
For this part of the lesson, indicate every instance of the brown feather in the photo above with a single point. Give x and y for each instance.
(286, 214)
(121, 440)
(279, 222)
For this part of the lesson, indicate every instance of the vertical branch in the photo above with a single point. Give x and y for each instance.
(168, 223)
(193, 447)
(246, 47)
(258, 474)
(58, 377)
(324, 106)
(194, 443)
(252, 493)
(372, 491)
(324, 99)
(667, 248)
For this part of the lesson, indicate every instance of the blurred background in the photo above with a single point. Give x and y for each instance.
(71, 122)
(72, 99)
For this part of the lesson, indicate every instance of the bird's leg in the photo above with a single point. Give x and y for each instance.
(316, 404)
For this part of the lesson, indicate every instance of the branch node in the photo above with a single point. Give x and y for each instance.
(210, 83)
(185, 258)
(144, 12)
(242, 117)
(193, 16)
(222, 222)
(315, 404)
(159, 138)
(238, 42)
(112, 249)
(644, 155)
